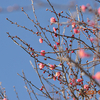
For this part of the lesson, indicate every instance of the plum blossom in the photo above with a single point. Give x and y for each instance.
(99, 10)
(97, 76)
(83, 54)
(86, 87)
(42, 53)
(73, 24)
(54, 29)
(4, 99)
(41, 66)
(79, 80)
(58, 74)
(41, 40)
(52, 20)
(76, 31)
(83, 8)
(52, 67)
(55, 47)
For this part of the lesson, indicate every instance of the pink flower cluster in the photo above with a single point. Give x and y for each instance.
(83, 8)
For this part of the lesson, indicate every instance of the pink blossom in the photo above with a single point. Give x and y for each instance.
(79, 80)
(83, 54)
(4, 99)
(57, 43)
(41, 66)
(76, 31)
(54, 29)
(99, 10)
(97, 76)
(52, 67)
(73, 24)
(55, 47)
(52, 20)
(86, 87)
(41, 40)
(42, 53)
(71, 84)
(41, 89)
(58, 74)
(83, 7)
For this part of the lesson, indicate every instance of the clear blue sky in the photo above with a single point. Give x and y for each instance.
(12, 58)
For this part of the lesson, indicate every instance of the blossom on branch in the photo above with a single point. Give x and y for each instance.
(41, 40)
(52, 67)
(86, 87)
(54, 29)
(41, 66)
(83, 54)
(42, 53)
(52, 20)
(99, 10)
(4, 99)
(97, 76)
(83, 8)
(76, 31)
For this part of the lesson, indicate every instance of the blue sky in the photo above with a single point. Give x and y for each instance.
(12, 58)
